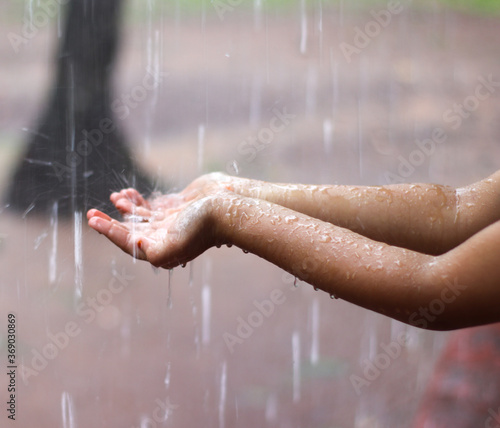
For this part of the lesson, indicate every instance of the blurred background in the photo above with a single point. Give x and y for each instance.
(360, 87)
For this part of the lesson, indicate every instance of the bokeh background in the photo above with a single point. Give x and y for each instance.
(106, 342)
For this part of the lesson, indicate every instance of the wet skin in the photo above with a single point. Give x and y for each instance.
(423, 254)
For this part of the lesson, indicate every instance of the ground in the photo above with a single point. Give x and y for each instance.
(123, 335)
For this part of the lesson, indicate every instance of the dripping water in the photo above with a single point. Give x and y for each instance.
(169, 296)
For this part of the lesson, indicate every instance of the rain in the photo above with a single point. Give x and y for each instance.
(184, 88)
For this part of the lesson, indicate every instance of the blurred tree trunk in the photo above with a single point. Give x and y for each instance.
(78, 156)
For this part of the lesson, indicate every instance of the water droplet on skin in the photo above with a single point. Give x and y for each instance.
(183, 265)
(324, 238)
(384, 195)
(245, 251)
(295, 282)
(333, 296)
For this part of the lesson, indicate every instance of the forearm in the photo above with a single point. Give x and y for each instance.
(421, 217)
(386, 279)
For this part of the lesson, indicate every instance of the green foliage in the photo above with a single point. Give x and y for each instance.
(484, 7)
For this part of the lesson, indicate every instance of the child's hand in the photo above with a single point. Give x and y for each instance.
(166, 231)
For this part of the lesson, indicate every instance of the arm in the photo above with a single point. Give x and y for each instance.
(403, 284)
(451, 291)
(423, 217)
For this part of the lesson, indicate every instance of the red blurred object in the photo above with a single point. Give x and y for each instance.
(464, 391)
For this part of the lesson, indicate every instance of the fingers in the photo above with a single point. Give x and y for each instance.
(127, 207)
(131, 194)
(96, 213)
(130, 201)
(120, 235)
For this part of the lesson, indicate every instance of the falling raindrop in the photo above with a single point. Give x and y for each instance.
(77, 227)
(296, 366)
(206, 311)
(233, 168)
(257, 7)
(315, 332)
(67, 409)
(168, 374)
(311, 89)
(303, 27)
(327, 135)
(271, 408)
(169, 297)
(222, 398)
(53, 250)
(201, 146)
(40, 239)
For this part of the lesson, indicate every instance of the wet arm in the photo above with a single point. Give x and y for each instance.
(423, 217)
(403, 284)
